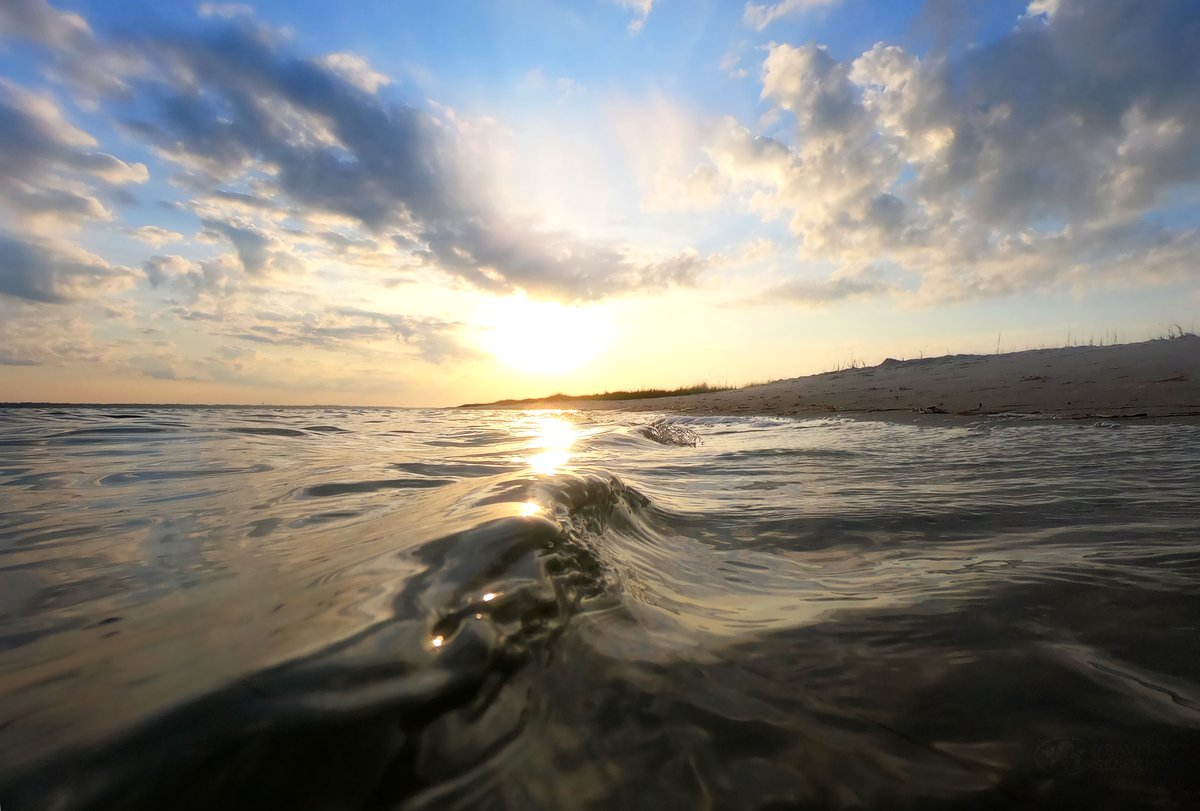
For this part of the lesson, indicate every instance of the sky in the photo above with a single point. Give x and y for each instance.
(424, 204)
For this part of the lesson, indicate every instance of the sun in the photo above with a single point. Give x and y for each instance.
(544, 337)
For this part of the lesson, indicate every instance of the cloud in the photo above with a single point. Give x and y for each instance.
(335, 147)
(76, 56)
(562, 88)
(731, 63)
(355, 70)
(547, 263)
(39, 21)
(641, 10)
(46, 273)
(259, 133)
(434, 338)
(219, 297)
(234, 108)
(48, 167)
(164, 270)
(33, 335)
(227, 11)
(1048, 8)
(216, 281)
(1040, 159)
(666, 166)
(156, 366)
(759, 16)
(253, 246)
(153, 235)
(839, 287)
(35, 135)
(340, 328)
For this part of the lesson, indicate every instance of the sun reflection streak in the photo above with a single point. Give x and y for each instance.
(554, 440)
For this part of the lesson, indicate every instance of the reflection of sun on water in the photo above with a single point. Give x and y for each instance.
(542, 337)
(553, 441)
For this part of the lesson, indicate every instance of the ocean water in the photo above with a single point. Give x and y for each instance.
(206, 608)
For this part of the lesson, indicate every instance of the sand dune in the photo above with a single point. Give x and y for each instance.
(1158, 378)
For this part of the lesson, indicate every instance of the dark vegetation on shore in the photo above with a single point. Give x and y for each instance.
(636, 394)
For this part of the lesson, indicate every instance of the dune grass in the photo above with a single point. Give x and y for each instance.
(632, 394)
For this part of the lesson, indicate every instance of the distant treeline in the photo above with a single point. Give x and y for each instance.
(636, 394)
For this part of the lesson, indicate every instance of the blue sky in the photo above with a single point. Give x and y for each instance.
(409, 203)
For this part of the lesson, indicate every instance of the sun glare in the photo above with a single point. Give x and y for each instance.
(543, 337)
(553, 442)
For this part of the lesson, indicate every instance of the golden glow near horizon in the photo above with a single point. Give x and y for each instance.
(544, 337)
(553, 443)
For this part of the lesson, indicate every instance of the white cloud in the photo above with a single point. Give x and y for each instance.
(1039, 7)
(1033, 162)
(731, 64)
(225, 11)
(34, 335)
(355, 70)
(641, 10)
(842, 285)
(759, 16)
(52, 177)
(165, 270)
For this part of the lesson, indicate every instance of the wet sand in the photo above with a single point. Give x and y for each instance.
(1152, 379)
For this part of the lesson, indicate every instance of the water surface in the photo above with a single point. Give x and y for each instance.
(371, 608)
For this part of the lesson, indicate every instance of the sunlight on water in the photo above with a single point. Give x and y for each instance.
(553, 442)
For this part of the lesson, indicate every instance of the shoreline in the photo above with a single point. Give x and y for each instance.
(1151, 380)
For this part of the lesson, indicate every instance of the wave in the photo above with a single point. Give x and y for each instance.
(255, 431)
(487, 603)
(666, 432)
(342, 488)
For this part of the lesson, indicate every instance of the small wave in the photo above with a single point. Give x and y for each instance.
(136, 476)
(343, 488)
(665, 432)
(462, 469)
(112, 430)
(266, 431)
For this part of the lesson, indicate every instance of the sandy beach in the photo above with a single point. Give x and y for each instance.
(1152, 379)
